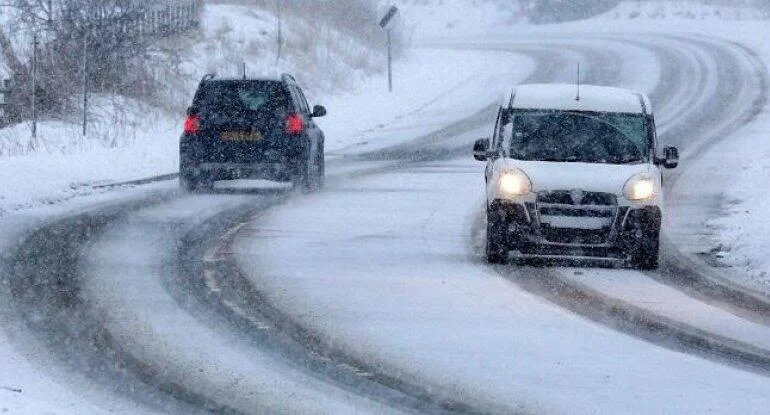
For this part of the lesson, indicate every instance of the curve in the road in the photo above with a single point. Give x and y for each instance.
(57, 280)
(47, 291)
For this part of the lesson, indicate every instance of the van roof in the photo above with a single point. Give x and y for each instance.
(592, 98)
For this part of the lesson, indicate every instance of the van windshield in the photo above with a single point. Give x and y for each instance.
(566, 136)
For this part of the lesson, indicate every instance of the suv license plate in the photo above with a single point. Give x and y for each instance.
(241, 136)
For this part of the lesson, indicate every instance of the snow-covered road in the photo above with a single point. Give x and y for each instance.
(381, 267)
(371, 296)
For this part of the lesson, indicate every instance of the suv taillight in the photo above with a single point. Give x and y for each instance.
(192, 124)
(294, 124)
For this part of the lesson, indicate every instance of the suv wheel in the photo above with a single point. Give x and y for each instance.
(645, 255)
(187, 184)
(322, 167)
(310, 178)
(188, 181)
(496, 246)
(317, 171)
(192, 182)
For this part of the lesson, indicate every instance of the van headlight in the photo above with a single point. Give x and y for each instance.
(514, 182)
(640, 187)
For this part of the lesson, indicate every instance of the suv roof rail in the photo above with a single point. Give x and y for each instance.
(288, 78)
(208, 77)
(641, 101)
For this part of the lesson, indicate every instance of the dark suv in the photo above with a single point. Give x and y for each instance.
(251, 128)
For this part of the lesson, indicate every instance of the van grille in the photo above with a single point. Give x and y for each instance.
(577, 206)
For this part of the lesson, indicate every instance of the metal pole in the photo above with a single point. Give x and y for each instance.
(34, 86)
(279, 46)
(577, 98)
(85, 81)
(390, 63)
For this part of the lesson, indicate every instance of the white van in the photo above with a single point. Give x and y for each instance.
(574, 173)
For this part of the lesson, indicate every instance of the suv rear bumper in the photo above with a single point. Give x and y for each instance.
(282, 172)
(202, 160)
(230, 171)
(625, 230)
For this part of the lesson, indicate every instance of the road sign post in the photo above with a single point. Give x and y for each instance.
(390, 62)
(34, 88)
(5, 92)
(385, 24)
(85, 81)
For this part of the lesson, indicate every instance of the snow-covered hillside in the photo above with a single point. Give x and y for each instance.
(322, 58)
(680, 9)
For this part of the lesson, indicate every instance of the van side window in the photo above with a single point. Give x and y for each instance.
(504, 128)
(496, 134)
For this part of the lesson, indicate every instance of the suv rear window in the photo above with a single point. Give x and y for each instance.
(228, 101)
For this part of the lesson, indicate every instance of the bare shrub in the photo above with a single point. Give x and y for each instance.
(115, 35)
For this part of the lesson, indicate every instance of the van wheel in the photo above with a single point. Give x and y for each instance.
(311, 176)
(646, 254)
(496, 246)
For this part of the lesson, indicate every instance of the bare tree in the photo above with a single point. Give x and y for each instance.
(119, 34)
(279, 30)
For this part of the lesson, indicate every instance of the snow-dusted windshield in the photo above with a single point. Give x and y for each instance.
(579, 137)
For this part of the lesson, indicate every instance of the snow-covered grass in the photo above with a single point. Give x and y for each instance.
(735, 177)
(125, 140)
(429, 18)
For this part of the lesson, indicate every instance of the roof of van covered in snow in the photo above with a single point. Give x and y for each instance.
(592, 98)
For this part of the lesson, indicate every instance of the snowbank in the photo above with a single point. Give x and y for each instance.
(735, 176)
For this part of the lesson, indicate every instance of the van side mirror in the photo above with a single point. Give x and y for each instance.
(670, 157)
(318, 111)
(192, 111)
(481, 149)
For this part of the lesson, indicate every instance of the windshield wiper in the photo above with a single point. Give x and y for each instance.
(625, 160)
(570, 159)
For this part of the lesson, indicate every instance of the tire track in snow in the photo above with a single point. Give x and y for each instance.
(556, 66)
(46, 282)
